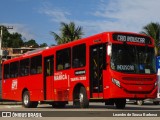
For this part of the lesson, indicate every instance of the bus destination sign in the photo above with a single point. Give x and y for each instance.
(131, 38)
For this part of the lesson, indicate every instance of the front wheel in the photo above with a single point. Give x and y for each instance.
(120, 103)
(156, 102)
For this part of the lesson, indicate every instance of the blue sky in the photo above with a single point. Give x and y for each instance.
(35, 19)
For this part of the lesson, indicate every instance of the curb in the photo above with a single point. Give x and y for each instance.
(7, 102)
(10, 103)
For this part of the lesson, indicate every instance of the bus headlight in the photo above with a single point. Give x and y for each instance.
(116, 82)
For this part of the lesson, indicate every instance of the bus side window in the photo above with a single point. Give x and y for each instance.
(14, 66)
(63, 59)
(24, 67)
(6, 71)
(79, 56)
(36, 65)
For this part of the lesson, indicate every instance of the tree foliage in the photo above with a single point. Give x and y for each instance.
(68, 32)
(31, 43)
(43, 45)
(15, 40)
(153, 30)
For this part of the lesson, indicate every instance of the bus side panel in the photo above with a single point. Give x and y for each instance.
(6, 89)
(35, 87)
(61, 86)
(107, 84)
(22, 84)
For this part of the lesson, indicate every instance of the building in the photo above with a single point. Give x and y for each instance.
(9, 53)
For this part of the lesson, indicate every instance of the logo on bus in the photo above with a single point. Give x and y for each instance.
(60, 76)
(14, 84)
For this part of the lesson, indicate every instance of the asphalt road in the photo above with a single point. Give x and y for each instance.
(148, 110)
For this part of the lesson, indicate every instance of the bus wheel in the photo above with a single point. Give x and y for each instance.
(156, 102)
(83, 100)
(26, 101)
(139, 102)
(120, 103)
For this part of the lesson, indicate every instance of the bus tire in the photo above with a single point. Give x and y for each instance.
(120, 103)
(26, 101)
(156, 102)
(83, 100)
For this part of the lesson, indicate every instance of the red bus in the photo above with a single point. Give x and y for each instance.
(108, 67)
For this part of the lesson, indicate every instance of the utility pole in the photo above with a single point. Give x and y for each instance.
(1, 37)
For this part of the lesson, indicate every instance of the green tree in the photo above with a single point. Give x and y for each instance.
(15, 40)
(153, 30)
(11, 40)
(6, 37)
(68, 32)
(31, 43)
(43, 45)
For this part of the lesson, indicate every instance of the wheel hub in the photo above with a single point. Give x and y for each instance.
(80, 97)
(26, 99)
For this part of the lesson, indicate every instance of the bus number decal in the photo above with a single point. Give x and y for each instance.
(125, 67)
(14, 84)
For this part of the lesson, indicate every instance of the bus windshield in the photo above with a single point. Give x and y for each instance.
(133, 59)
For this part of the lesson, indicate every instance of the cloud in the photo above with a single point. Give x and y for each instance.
(56, 14)
(20, 28)
(127, 15)
(109, 15)
(121, 15)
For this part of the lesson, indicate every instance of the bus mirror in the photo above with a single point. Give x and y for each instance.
(109, 50)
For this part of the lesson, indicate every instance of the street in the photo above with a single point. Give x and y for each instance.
(94, 110)
(93, 107)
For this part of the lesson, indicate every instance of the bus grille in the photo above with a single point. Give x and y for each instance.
(137, 79)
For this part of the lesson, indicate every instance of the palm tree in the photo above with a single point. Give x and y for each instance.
(68, 33)
(153, 30)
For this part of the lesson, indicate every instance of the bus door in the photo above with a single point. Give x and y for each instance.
(48, 77)
(97, 63)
